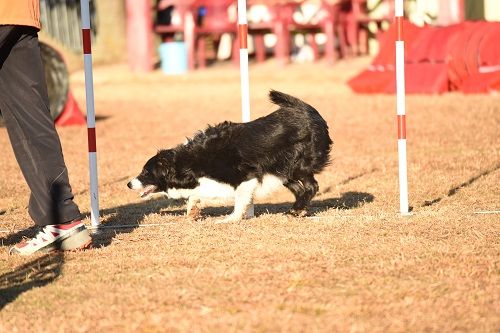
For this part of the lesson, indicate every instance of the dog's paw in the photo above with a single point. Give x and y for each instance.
(297, 213)
(194, 213)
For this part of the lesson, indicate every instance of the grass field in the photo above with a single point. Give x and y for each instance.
(355, 266)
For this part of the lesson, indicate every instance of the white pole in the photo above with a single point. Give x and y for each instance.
(401, 109)
(244, 76)
(242, 35)
(89, 93)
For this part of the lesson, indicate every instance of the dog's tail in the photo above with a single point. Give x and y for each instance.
(300, 112)
(287, 101)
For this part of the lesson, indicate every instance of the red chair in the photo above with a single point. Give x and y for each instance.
(200, 21)
(283, 25)
(355, 17)
(276, 24)
(212, 21)
(324, 21)
(332, 29)
(167, 29)
(308, 29)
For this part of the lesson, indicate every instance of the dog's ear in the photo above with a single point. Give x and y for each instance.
(171, 168)
(164, 162)
(166, 156)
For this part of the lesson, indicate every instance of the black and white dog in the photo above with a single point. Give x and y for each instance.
(240, 161)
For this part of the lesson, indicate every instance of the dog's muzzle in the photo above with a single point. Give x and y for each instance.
(135, 184)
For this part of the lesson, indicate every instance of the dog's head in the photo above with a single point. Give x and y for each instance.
(162, 172)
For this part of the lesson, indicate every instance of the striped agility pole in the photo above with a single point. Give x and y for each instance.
(400, 109)
(244, 76)
(242, 37)
(89, 93)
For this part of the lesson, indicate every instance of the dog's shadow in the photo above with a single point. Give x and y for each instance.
(348, 200)
(124, 219)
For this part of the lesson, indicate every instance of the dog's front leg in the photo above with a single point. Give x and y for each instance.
(243, 198)
(194, 207)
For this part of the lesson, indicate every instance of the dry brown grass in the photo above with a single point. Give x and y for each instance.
(358, 267)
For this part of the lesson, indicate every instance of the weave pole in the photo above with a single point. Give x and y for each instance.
(401, 109)
(89, 95)
(244, 76)
(242, 37)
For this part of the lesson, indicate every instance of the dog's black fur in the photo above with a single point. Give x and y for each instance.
(291, 143)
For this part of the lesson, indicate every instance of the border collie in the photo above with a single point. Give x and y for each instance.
(240, 161)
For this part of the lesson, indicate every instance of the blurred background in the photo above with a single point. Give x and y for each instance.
(450, 44)
(61, 21)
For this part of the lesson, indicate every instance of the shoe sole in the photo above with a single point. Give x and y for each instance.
(79, 241)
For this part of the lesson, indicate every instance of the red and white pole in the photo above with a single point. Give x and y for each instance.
(89, 93)
(244, 76)
(243, 36)
(400, 109)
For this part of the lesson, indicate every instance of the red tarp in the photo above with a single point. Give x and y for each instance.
(426, 78)
(482, 57)
(387, 46)
(380, 77)
(433, 44)
(464, 57)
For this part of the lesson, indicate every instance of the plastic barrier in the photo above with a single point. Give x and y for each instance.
(463, 57)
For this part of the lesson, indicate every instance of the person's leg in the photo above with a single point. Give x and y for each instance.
(25, 108)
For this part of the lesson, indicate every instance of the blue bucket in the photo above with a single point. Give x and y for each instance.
(173, 57)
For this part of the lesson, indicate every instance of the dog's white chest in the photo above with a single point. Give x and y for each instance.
(212, 189)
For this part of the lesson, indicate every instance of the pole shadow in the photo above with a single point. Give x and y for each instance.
(35, 274)
(455, 189)
(101, 118)
(349, 179)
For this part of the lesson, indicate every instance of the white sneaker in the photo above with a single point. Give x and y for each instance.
(58, 237)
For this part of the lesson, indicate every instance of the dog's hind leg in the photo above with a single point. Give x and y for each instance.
(297, 189)
(243, 198)
(304, 190)
(311, 188)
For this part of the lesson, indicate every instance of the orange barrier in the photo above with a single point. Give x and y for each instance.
(71, 114)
